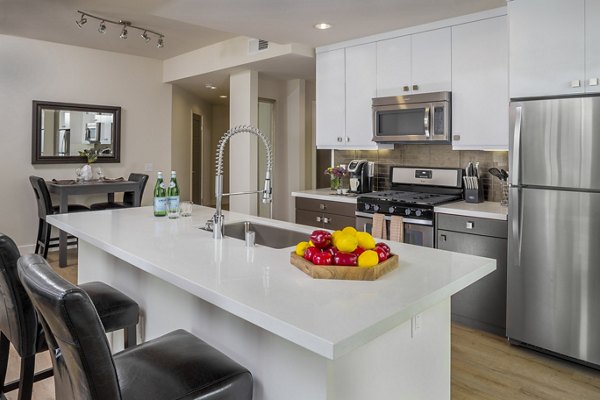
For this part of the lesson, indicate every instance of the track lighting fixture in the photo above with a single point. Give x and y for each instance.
(125, 26)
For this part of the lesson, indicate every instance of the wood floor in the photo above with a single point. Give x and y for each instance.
(484, 367)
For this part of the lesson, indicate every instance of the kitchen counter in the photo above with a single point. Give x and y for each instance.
(325, 194)
(257, 308)
(487, 209)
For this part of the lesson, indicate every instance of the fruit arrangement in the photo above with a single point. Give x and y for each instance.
(347, 247)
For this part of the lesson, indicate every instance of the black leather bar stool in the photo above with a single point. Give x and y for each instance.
(177, 365)
(19, 324)
(45, 207)
(128, 197)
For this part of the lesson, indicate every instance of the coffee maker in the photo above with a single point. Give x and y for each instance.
(361, 176)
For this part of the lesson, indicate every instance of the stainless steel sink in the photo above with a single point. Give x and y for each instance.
(266, 235)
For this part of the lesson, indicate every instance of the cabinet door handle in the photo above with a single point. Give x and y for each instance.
(322, 206)
(339, 139)
(415, 87)
(593, 82)
(576, 83)
(326, 220)
(347, 138)
(405, 88)
(470, 225)
(443, 237)
(318, 219)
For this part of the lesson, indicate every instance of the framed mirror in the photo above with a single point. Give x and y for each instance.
(62, 130)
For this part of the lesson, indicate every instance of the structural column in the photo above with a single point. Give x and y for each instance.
(243, 148)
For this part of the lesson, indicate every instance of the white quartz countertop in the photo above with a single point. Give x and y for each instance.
(328, 317)
(325, 194)
(487, 209)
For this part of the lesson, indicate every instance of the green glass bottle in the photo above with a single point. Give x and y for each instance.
(173, 192)
(160, 196)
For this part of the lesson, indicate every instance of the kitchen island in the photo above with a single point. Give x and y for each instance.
(301, 338)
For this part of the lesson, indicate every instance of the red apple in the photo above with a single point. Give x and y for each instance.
(321, 238)
(384, 246)
(381, 253)
(343, 258)
(309, 253)
(358, 251)
(322, 258)
(331, 249)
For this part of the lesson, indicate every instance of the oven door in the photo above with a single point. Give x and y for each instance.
(416, 231)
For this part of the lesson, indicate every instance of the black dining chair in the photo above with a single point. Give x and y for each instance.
(128, 197)
(45, 208)
(19, 324)
(177, 365)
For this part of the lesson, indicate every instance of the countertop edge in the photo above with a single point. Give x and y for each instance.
(325, 196)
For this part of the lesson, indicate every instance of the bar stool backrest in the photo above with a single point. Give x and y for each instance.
(128, 197)
(17, 316)
(81, 357)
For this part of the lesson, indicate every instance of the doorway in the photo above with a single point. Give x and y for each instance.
(266, 124)
(197, 159)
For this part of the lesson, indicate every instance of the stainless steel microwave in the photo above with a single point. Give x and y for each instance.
(419, 118)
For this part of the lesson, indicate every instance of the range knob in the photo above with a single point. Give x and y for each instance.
(367, 207)
(407, 211)
(391, 210)
(418, 213)
(375, 208)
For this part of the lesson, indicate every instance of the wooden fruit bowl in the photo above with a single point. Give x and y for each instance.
(343, 272)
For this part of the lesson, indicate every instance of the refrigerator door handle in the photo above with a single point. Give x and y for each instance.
(516, 145)
(515, 204)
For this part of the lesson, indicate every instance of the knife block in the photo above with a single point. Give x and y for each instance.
(474, 195)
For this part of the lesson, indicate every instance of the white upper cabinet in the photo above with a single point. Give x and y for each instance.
(547, 47)
(480, 85)
(330, 97)
(360, 89)
(592, 35)
(417, 63)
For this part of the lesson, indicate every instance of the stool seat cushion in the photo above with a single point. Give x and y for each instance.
(116, 310)
(180, 366)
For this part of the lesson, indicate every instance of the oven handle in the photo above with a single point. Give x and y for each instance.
(388, 218)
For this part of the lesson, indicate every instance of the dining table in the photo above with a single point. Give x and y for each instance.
(65, 188)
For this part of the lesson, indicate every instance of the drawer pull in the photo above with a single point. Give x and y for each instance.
(326, 220)
(443, 237)
(470, 225)
(322, 206)
(318, 219)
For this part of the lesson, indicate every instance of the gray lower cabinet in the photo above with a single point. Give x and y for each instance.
(483, 304)
(326, 214)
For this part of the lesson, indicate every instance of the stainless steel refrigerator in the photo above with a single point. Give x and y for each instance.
(553, 297)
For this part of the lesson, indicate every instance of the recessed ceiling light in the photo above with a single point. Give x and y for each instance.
(210, 86)
(223, 96)
(322, 25)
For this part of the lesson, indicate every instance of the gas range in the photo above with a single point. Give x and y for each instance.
(414, 193)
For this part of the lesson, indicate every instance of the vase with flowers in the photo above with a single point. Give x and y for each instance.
(336, 174)
(86, 170)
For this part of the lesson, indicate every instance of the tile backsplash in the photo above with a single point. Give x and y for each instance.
(429, 155)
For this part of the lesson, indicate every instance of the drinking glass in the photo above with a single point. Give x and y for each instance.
(100, 173)
(78, 173)
(186, 208)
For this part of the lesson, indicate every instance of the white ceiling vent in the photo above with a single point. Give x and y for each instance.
(256, 45)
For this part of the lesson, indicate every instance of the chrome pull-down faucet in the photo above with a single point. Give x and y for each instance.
(216, 223)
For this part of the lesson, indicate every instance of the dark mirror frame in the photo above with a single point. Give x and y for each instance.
(36, 154)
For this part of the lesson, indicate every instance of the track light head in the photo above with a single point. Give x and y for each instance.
(123, 34)
(81, 21)
(160, 42)
(145, 37)
(102, 27)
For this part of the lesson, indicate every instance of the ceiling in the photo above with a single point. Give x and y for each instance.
(191, 24)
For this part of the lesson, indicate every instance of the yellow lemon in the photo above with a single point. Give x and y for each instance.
(345, 242)
(310, 244)
(333, 236)
(368, 259)
(349, 230)
(365, 240)
(301, 247)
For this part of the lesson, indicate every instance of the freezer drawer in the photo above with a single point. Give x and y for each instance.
(476, 226)
(554, 271)
(483, 304)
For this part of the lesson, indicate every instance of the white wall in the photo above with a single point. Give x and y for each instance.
(185, 104)
(38, 70)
